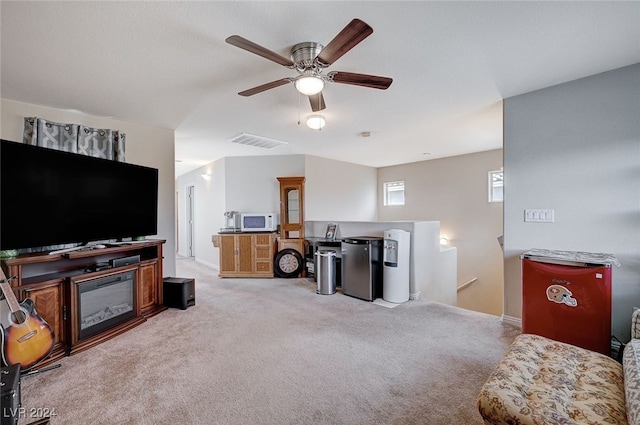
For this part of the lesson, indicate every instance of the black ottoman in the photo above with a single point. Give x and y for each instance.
(179, 292)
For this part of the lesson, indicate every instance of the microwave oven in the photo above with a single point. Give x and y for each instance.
(259, 222)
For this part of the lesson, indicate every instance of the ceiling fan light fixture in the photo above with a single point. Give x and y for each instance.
(316, 122)
(309, 84)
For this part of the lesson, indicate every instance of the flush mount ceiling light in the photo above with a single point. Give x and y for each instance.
(316, 122)
(309, 84)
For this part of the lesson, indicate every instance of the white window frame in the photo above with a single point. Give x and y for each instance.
(391, 187)
(496, 180)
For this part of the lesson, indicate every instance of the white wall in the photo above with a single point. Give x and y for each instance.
(575, 148)
(432, 270)
(454, 191)
(209, 198)
(148, 146)
(252, 184)
(336, 190)
(247, 184)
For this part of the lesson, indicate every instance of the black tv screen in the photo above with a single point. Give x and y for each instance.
(50, 197)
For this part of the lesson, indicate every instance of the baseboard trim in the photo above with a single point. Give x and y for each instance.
(510, 320)
(415, 295)
(206, 263)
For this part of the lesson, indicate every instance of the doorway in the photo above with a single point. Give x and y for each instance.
(190, 232)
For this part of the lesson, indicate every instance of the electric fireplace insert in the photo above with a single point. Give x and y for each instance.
(105, 302)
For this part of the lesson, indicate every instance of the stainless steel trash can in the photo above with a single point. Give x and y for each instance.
(326, 272)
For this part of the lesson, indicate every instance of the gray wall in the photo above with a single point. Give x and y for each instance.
(575, 148)
(454, 191)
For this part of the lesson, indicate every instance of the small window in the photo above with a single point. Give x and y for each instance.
(393, 193)
(496, 186)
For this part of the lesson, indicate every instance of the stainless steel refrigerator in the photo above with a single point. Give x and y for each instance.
(362, 267)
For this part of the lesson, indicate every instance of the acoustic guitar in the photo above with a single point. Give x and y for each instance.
(28, 338)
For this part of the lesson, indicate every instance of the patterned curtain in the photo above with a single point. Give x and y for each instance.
(120, 139)
(96, 142)
(49, 134)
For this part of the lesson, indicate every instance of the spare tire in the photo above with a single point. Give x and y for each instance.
(288, 263)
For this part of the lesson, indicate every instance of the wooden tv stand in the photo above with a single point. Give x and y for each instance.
(49, 280)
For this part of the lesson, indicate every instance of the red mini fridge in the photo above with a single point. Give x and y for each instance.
(566, 296)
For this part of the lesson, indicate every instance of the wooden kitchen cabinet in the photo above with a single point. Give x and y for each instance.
(263, 250)
(246, 254)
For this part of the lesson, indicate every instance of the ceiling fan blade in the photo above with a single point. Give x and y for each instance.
(371, 81)
(352, 34)
(250, 46)
(267, 86)
(317, 102)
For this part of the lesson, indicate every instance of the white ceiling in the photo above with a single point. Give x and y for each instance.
(166, 64)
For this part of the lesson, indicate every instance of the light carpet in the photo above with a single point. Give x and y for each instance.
(382, 303)
(272, 351)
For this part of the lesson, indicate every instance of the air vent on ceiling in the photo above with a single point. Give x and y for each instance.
(257, 141)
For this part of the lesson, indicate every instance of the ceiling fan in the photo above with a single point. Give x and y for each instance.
(309, 59)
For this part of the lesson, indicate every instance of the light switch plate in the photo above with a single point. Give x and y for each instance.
(539, 215)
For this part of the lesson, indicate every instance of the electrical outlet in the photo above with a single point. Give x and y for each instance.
(539, 215)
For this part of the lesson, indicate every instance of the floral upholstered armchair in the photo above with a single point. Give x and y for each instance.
(544, 382)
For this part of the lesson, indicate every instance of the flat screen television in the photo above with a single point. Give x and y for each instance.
(49, 197)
